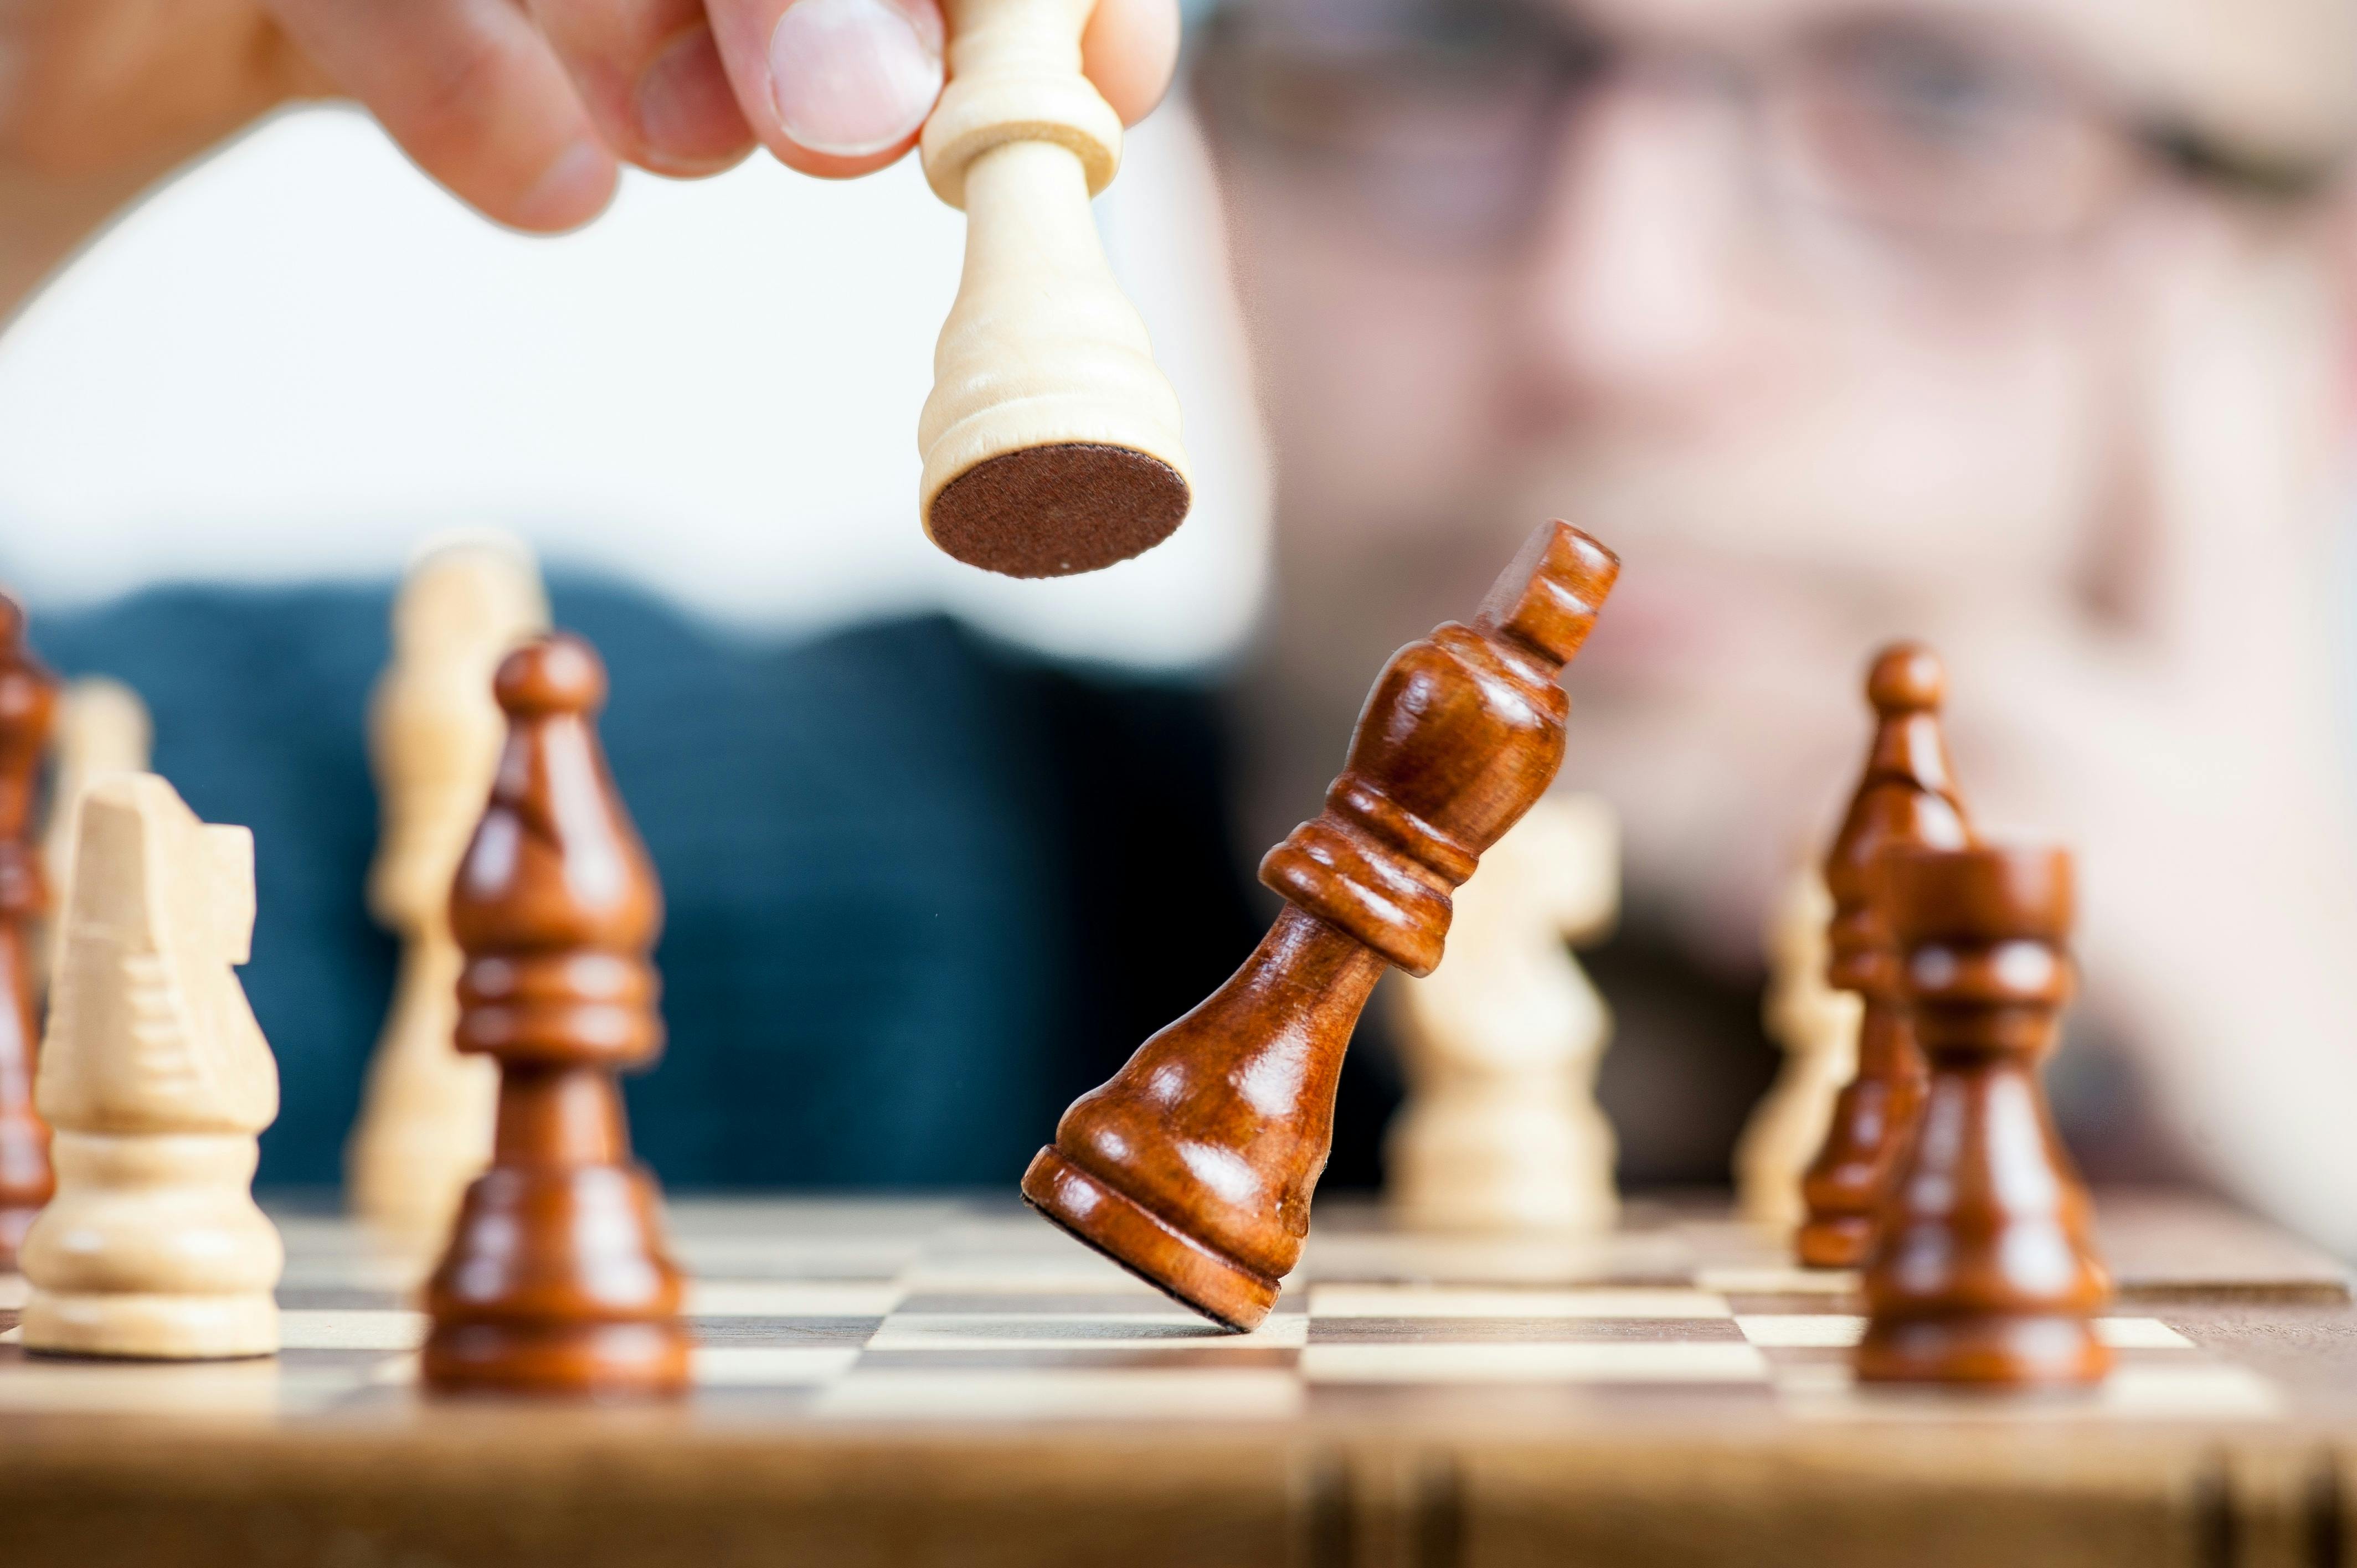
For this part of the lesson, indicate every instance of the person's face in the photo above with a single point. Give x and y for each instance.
(1822, 313)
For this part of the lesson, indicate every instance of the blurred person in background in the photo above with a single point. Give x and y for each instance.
(2025, 329)
(2017, 328)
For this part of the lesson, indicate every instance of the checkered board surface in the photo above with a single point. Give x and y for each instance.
(811, 1311)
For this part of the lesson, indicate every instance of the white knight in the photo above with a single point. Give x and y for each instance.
(155, 1080)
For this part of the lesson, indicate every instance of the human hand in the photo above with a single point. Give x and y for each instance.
(522, 108)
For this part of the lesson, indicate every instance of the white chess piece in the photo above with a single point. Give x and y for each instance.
(154, 1080)
(1042, 349)
(1817, 1026)
(426, 1115)
(1502, 1130)
(103, 727)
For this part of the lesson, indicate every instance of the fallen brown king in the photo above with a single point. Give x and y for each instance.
(1193, 1167)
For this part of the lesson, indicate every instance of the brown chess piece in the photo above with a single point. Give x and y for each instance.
(1907, 797)
(1193, 1166)
(1982, 1272)
(557, 1280)
(29, 703)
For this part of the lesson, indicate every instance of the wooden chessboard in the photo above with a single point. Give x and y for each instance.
(894, 1377)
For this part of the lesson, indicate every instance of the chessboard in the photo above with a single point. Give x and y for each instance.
(961, 1329)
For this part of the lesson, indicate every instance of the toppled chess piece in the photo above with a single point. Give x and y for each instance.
(557, 1279)
(1907, 798)
(1501, 1130)
(29, 700)
(1050, 440)
(1984, 1271)
(1194, 1166)
(158, 1081)
(424, 1127)
(1817, 1027)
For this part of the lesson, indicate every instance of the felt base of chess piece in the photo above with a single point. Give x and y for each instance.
(1052, 512)
(1983, 1271)
(139, 1209)
(1194, 1166)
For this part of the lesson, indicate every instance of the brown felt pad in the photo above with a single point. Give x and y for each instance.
(1052, 512)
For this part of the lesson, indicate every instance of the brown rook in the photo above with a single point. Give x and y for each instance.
(556, 1278)
(1982, 1272)
(29, 703)
(1907, 797)
(1193, 1166)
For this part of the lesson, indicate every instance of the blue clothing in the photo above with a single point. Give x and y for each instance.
(923, 889)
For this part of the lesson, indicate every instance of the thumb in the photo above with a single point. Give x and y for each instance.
(838, 88)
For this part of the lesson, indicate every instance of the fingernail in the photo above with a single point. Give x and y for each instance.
(572, 190)
(853, 77)
(685, 110)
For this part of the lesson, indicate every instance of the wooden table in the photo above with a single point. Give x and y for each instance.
(955, 1382)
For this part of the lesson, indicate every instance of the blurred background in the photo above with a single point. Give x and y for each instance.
(2027, 331)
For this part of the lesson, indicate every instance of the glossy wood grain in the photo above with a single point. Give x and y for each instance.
(29, 700)
(1194, 1167)
(557, 1279)
(1907, 796)
(1984, 1270)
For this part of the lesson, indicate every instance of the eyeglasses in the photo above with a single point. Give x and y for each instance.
(1441, 126)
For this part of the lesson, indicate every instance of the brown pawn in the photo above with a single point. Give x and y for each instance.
(28, 704)
(1907, 798)
(1193, 1166)
(557, 1280)
(1982, 1272)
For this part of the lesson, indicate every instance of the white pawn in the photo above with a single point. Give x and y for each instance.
(1500, 1131)
(1817, 1026)
(1051, 441)
(103, 727)
(426, 1115)
(154, 1080)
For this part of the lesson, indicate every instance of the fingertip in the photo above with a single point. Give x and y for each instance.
(853, 80)
(1130, 50)
(578, 185)
(684, 110)
(831, 166)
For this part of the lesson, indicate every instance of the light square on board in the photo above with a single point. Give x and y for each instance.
(1338, 1301)
(1176, 1329)
(1590, 1361)
(1032, 1394)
